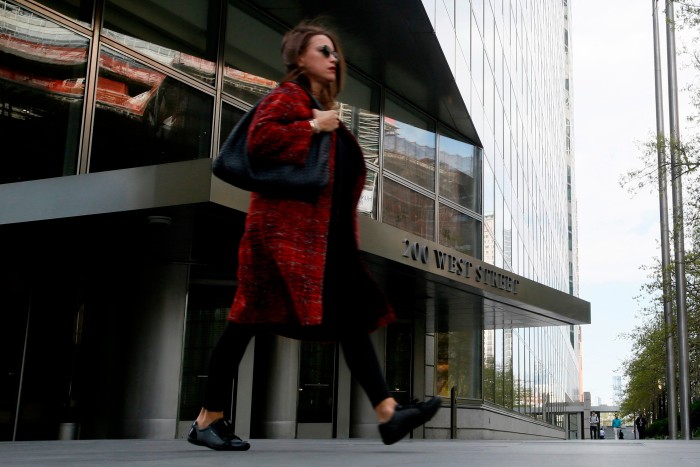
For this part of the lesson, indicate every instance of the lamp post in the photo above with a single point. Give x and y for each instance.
(678, 231)
(665, 248)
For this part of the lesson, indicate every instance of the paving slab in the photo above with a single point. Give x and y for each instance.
(354, 452)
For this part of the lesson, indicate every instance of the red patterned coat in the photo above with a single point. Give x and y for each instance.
(282, 254)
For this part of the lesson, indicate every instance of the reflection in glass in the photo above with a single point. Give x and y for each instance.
(42, 87)
(368, 200)
(230, 115)
(458, 363)
(144, 117)
(365, 126)
(459, 231)
(508, 368)
(80, 10)
(539, 378)
(409, 145)
(409, 152)
(507, 239)
(489, 371)
(408, 210)
(178, 34)
(460, 171)
(517, 370)
(251, 52)
(207, 309)
(499, 376)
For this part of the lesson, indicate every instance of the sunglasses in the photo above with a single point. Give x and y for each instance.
(327, 52)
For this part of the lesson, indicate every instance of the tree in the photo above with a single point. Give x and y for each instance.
(645, 371)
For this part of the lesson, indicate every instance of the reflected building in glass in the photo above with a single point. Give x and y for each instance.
(121, 247)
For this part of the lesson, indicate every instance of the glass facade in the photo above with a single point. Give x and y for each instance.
(513, 67)
(43, 66)
(165, 82)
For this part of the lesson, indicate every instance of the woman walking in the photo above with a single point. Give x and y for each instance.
(294, 248)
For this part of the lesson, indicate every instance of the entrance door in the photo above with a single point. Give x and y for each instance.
(399, 361)
(317, 395)
(12, 345)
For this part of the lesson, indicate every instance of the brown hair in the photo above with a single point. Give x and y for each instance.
(295, 42)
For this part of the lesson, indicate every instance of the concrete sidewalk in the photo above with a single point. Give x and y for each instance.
(355, 452)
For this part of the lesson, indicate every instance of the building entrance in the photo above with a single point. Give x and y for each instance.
(317, 393)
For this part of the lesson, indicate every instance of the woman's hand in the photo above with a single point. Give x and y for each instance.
(327, 120)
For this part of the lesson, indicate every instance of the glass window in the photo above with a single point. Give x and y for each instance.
(463, 76)
(478, 9)
(251, 56)
(368, 200)
(444, 28)
(409, 145)
(179, 34)
(498, 128)
(144, 117)
(408, 210)
(357, 100)
(460, 231)
(489, 372)
(80, 10)
(507, 238)
(517, 371)
(42, 87)
(489, 190)
(489, 99)
(207, 309)
(463, 25)
(460, 168)
(359, 92)
(365, 126)
(459, 348)
(498, 221)
(477, 62)
(499, 370)
(489, 33)
(489, 241)
(230, 115)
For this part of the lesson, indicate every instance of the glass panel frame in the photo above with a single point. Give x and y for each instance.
(42, 92)
(460, 231)
(144, 117)
(181, 35)
(408, 210)
(409, 145)
(460, 171)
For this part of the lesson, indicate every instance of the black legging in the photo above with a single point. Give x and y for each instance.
(228, 352)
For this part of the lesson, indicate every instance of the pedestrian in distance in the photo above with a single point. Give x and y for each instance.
(300, 273)
(640, 424)
(617, 425)
(595, 424)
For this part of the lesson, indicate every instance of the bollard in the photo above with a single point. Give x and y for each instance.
(453, 412)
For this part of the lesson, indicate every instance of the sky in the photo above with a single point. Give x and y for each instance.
(614, 111)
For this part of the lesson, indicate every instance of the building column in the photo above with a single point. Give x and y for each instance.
(153, 351)
(277, 417)
(363, 420)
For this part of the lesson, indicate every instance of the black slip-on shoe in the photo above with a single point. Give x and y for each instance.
(407, 418)
(218, 436)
